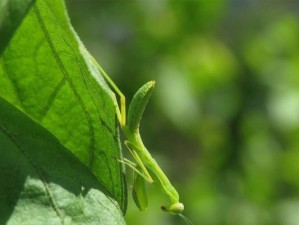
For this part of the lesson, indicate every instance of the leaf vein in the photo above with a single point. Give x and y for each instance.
(52, 98)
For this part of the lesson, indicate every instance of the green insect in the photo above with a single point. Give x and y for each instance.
(146, 167)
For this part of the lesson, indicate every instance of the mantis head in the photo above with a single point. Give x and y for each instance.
(176, 208)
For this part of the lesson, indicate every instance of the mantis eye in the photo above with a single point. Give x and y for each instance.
(176, 208)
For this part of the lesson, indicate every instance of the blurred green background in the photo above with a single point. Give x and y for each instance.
(223, 121)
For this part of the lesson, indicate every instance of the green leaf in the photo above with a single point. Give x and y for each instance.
(45, 75)
(36, 188)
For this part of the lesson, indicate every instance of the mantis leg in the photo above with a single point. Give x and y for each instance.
(120, 110)
(139, 162)
(133, 166)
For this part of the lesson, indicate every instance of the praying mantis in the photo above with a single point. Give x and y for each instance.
(146, 168)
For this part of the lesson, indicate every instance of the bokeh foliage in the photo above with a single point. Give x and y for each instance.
(223, 121)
